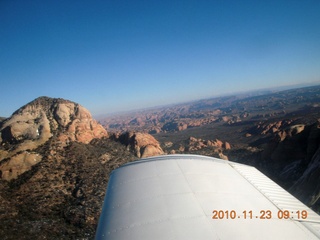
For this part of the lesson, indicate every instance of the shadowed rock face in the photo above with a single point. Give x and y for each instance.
(307, 187)
(35, 123)
(294, 161)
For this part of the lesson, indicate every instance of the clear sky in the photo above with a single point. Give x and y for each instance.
(119, 55)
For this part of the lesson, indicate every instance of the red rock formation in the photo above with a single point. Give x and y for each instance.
(82, 128)
(197, 144)
(227, 145)
(174, 126)
(143, 144)
(35, 123)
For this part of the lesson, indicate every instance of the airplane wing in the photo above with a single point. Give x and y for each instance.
(197, 197)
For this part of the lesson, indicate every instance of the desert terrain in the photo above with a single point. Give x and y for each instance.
(55, 159)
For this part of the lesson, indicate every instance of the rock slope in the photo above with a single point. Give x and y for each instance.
(61, 197)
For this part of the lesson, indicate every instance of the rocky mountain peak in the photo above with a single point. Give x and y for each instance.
(35, 123)
(45, 117)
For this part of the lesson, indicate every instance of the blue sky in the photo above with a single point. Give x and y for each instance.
(118, 55)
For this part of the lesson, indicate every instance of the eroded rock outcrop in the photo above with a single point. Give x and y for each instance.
(174, 126)
(198, 143)
(34, 124)
(281, 128)
(142, 144)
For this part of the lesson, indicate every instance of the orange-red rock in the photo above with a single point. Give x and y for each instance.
(143, 144)
(35, 123)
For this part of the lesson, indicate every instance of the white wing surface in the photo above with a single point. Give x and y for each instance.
(191, 197)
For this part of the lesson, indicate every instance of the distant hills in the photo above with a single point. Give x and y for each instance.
(228, 109)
